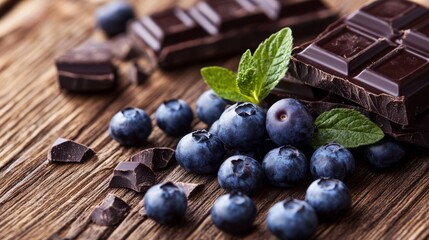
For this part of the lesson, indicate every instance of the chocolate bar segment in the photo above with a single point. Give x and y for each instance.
(168, 27)
(386, 18)
(229, 27)
(88, 68)
(380, 73)
(226, 15)
(417, 37)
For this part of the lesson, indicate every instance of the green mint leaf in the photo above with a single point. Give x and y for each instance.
(223, 82)
(245, 77)
(347, 127)
(271, 60)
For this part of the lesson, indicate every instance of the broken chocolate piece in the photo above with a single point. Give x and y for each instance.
(188, 188)
(134, 176)
(68, 151)
(138, 74)
(111, 212)
(383, 71)
(123, 48)
(87, 69)
(155, 158)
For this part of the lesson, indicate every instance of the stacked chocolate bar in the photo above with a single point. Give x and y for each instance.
(216, 28)
(375, 60)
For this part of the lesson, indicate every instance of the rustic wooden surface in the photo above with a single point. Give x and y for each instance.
(39, 200)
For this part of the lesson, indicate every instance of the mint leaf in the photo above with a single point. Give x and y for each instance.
(271, 60)
(245, 77)
(257, 74)
(347, 127)
(223, 82)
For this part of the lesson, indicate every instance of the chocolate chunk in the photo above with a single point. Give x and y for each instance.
(68, 151)
(123, 48)
(188, 188)
(155, 158)
(88, 68)
(217, 28)
(365, 59)
(134, 176)
(139, 73)
(111, 212)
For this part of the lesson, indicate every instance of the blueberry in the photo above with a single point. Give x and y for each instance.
(234, 213)
(332, 160)
(242, 126)
(174, 117)
(285, 166)
(113, 17)
(200, 152)
(385, 154)
(210, 106)
(292, 219)
(329, 197)
(214, 129)
(165, 203)
(289, 123)
(241, 173)
(130, 126)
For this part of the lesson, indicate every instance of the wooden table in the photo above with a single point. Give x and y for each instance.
(39, 200)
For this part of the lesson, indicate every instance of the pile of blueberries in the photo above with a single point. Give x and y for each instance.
(244, 133)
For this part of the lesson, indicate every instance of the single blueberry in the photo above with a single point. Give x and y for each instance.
(329, 197)
(385, 154)
(242, 126)
(200, 152)
(241, 173)
(214, 129)
(210, 106)
(130, 126)
(234, 213)
(285, 166)
(332, 160)
(165, 203)
(174, 117)
(113, 17)
(289, 123)
(292, 219)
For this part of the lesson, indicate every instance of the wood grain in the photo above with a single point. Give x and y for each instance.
(39, 200)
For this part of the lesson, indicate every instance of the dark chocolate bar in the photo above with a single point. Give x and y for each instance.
(155, 158)
(132, 175)
(377, 57)
(88, 68)
(216, 28)
(318, 101)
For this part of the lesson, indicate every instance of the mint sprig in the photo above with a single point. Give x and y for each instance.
(347, 127)
(257, 75)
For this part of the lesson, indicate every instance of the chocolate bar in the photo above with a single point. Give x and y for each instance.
(318, 101)
(88, 68)
(377, 57)
(155, 158)
(216, 28)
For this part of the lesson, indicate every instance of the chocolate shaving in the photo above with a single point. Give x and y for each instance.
(68, 151)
